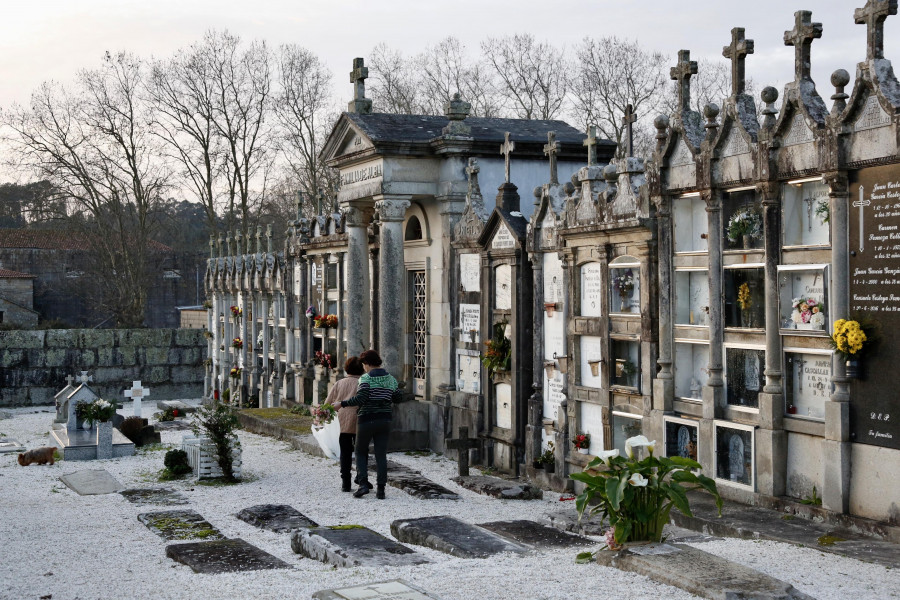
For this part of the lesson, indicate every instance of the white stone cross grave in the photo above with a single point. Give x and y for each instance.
(136, 393)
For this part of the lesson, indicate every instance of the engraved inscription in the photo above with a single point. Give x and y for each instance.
(503, 238)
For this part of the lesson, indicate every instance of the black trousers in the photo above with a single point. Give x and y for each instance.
(377, 432)
(347, 442)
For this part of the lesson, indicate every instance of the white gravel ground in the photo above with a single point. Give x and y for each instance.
(57, 543)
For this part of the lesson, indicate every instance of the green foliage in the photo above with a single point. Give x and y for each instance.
(167, 415)
(176, 462)
(131, 428)
(813, 500)
(638, 495)
(218, 421)
(498, 350)
(302, 410)
(547, 457)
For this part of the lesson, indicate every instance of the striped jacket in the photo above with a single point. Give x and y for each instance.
(376, 393)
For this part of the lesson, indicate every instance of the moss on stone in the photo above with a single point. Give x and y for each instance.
(283, 418)
(340, 527)
(830, 540)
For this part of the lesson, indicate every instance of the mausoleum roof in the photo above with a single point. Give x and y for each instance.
(7, 274)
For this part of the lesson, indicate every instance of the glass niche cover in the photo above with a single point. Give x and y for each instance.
(681, 438)
(626, 364)
(625, 285)
(734, 454)
(691, 370)
(807, 384)
(745, 298)
(806, 213)
(803, 291)
(744, 376)
(691, 298)
(743, 221)
(624, 427)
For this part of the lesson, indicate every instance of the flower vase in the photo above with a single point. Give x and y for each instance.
(625, 305)
(584, 451)
(746, 241)
(87, 425)
(852, 368)
(746, 320)
(549, 467)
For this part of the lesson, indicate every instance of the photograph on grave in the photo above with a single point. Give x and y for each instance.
(803, 297)
(745, 298)
(734, 453)
(625, 368)
(591, 354)
(742, 216)
(625, 285)
(692, 297)
(874, 277)
(591, 289)
(624, 426)
(690, 224)
(468, 364)
(807, 384)
(806, 213)
(744, 376)
(681, 437)
(590, 421)
(691, 372)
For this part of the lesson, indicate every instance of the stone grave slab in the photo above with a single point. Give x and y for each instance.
(154, 495)
(352, 546)
(91, 482)
(535, 535)
(412, 482)
(700, 573)
(280, 518)
(452, 536)
(176, 425)
(396, 589)
(10, 445)
(176, 404)
(566, 519)
(500, 488)
(224, 556)
(175, 525)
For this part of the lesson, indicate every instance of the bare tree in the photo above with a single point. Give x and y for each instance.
(393, 84)
(445, 69)
(612, 73)
(93, 144)
(711, 84)
(533, 74)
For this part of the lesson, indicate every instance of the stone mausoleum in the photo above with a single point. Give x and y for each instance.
(690, 297)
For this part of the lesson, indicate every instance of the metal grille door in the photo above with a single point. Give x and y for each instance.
(420, 330)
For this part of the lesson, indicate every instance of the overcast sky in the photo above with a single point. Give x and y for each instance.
(53, 39)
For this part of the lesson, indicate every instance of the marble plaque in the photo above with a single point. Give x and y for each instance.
(591, 421)
(591, 369)
(591, 290)
(503, 289)
(554, 394)
(799, 132)
(553, 279)
(470, 323)
(503, 238)
(470, 272)
(548, 228)
(503, 408)
(468, 375)
(810, 383)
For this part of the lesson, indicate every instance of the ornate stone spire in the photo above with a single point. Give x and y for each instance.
(473, 196)
(801, 38)
(628, 120)
(591, 143)
(737, 53)
(457, 110)
(872, 15)
(360, 104)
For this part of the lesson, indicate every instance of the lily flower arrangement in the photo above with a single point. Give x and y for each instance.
(237, 343)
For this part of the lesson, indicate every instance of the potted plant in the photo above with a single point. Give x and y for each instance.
(637, 494)
(498, 350)
(323, 362)
(808, 313)
(745, 301)
(547, 458)
(745, 225)
(582, 443)
(235, 373)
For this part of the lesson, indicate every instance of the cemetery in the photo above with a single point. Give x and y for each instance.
(624, 377)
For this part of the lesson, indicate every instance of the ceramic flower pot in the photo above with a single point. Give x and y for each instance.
(746, 241)
(584, 451)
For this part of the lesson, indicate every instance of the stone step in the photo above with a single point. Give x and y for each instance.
(452, 536)
(353, 546)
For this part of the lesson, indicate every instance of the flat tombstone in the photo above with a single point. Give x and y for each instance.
(536, 535)
(154, 495)
(353, 546)
(10, 445)
(280, 518)
(500, 488)
(455, 537)
(396, 589)
(91, 482)
(224, 556)
(181, 407)
(174, 525)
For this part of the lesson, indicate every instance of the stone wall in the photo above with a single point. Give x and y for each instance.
(34, 364)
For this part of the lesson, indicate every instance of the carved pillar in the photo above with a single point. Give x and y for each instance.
(264, 374)
(391, 291)
(244, 333)
(836, 446)
(534, 426)
(340, 349)
(714, 390)
(358, 304)
(664, 383)
(771, 465)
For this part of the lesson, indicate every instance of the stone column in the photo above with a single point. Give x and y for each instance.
(664, 383)
(836, 446)
(245, 299)
(714, 390)
(534, 426)
(228, 356)
(264, 374)
(358, 307)
(341, 315)
(771, 454)
(391, 291)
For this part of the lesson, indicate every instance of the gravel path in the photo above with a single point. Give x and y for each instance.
(93, 547)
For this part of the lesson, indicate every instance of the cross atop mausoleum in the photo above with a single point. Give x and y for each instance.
(628, 120)
(69, 380)
(872, 15)
(360, 104)
(682, 74)
(591, 143)
(505, 149)
(472, 173)
(84, 378)
(737, 52)
(551, 149)
(801, 37)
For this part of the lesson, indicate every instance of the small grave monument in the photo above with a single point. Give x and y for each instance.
(462, 445)
(396, 589)
(137, 393)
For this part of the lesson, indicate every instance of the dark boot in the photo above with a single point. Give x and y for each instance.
(380, 493)
(345, 486)
(362, 491)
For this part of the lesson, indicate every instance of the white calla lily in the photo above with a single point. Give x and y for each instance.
(606, 455)
(638, 480)
(638, 441)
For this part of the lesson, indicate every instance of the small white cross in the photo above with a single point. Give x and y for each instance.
(136, 393)
(84, 377)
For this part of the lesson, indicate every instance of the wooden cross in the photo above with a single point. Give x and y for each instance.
(472, 172)
(628, 120)
(505, 149)
(136, 393)
(682, 74)
(737, 52)
(591, 143)
(801, 37)
(358, 78)
(84, 377)
(872, 15)
(551, 148)
(462, 444)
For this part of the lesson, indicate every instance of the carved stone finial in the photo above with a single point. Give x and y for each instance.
(682, 74)
(538, 193)
(238, 242)
(591, 143)
(299, 206)
(801, 38)
(711, 112)
(505, 149)
(269, 238)
(220, 244)
(737, 52)
(228, 243)
(610, 173)
(839, 79)
(628, 120)
(258, 239)
(360, 104)
(457, 110)
(872, 15)
(212, 246)
(661, 122)
(551, 149)
(769, 95)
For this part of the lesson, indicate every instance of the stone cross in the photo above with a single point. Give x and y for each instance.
(472, 172)
(801, 37)
(69, 380)
(462, 444)
(591, 143)
(737, 52)
(682, 74)
(872, 15)
(84, 377)
(136, 393)
(358, 78)
(629, 119)
(505, 149)
(551, 149)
